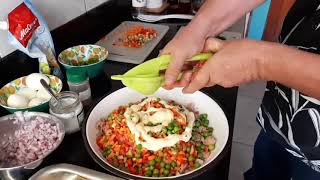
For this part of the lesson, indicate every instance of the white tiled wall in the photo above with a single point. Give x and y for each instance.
(56, 13)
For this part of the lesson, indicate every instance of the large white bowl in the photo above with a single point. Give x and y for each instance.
(202, 102)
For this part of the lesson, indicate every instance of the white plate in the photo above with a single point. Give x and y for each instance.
(202, 103)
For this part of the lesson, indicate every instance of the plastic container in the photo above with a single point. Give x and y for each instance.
(78, 82)
(154, 4)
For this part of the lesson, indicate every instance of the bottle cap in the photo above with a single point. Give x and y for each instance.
(77, 77)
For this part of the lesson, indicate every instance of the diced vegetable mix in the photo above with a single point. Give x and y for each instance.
(119, 148)
(136, 37)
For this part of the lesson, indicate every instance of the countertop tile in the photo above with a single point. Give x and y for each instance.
(246, 129)
(241, 160)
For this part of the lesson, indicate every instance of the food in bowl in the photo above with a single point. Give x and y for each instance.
(31, 95)
(155, 137)
(83, 55)
(27, 92)
(33, 138)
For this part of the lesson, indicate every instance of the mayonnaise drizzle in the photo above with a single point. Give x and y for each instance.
(137, 121)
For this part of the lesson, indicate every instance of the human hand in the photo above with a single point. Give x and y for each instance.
(234, 63)
(181, 48)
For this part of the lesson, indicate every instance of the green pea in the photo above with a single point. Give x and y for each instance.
(155, 171)
(170, 126)
(195, 128)
(210, 129)
(173, 164)
(151, 163)
(199, 149)
(197, 165)
(197, 124)
(139, 146)
(193, 138)
(166, 172)
(205, 123)
(190, 158)
(211, 147)
(148, 172)
(158, 159)
(167, 166)
(176, 129)
(203, 116)
(158, 99)
(162, 164)
(205, 134)
(151, 167)
(138, 155)
(106, 151)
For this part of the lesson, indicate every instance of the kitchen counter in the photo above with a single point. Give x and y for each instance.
(88, 29)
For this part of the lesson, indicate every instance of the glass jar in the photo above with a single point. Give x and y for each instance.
(68, 109)
(79, 82)
(138, 7)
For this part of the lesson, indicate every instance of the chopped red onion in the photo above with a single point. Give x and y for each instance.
(32, 141)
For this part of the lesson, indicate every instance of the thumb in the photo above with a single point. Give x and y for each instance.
(201, 79)
(214, 45)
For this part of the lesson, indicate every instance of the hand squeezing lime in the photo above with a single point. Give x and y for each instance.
(147, 77)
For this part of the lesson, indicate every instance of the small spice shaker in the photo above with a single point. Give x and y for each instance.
(68, 109)
(78, 82)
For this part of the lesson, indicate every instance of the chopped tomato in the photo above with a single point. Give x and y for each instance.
(129, 161)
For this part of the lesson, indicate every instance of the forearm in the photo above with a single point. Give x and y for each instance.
(217, 15)
(294, 68)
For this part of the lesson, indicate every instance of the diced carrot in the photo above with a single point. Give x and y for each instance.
(139, 161)
(152, 157)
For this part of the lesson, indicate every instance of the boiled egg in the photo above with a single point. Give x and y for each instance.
(17, 101)
(27, 92)
(35, 102)
(33, 81)
(43, 94)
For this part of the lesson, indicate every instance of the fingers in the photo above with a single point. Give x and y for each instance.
(213, 45)
(174, 69)
(200, 80)
(184, 81)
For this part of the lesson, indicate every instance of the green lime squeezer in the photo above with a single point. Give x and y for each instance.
(146, 78)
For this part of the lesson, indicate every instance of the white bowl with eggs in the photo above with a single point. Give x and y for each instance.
(27, 94)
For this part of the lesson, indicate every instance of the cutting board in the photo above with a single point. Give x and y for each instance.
(131, 55)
